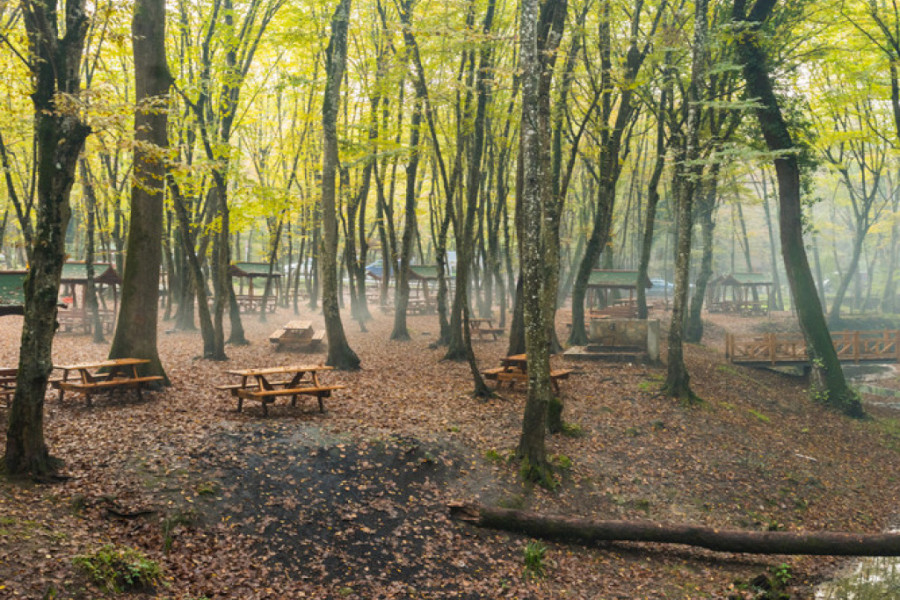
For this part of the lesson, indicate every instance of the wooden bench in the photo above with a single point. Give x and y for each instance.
(105, 385)
(267, 397)
(513, 376)
(234, 387)
(483, 332)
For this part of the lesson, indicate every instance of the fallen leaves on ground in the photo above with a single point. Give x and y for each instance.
(351, 503)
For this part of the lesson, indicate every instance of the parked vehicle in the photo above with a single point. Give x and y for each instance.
(660, 287)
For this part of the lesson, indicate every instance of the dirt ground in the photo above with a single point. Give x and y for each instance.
(351, 503)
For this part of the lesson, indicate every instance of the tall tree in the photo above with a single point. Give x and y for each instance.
(533, 191)
(60, 133)
(829, 384)
(340, 354)
(137, 322)
(685, 183)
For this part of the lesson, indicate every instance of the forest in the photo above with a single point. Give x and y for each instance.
(439, 187)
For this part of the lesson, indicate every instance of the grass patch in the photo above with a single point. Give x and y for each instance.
(534, 553)
(493, 456)
(119, 569)
(573, 430)
(561, 461)
(760, 416)
(729, 369)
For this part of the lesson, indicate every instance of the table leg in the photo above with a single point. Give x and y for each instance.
(61, 390)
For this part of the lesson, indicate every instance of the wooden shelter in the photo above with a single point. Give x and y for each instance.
(249, 272)
(73, 292)
(73, 283)
(606, 288)
(12, 292)
(741, 293)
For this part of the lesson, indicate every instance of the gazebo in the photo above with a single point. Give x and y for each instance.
(249, 272)
(742, 293)
(602, 284)
(73, 290)
(74, 279)
(12, 292)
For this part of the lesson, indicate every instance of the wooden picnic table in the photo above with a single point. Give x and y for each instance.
(251, 304)
(297, 335)
(482, 327)
(514, 368)
(267, 384)
(103, 376)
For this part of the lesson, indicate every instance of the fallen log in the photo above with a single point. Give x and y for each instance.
(585, 531)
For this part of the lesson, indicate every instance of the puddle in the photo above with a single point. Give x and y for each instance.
(869, 578)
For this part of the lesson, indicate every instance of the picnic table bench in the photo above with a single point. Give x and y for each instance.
(483, 327)
(7, 384)
(514, 369)
(296, 380)
(103, 376)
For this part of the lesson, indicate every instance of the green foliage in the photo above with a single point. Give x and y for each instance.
(206, 488)
(573, 430)
(493, 456)
(534, 553)
(561, 461)
(760, 416)
(782, 575)
(118, 569)
(172, 522)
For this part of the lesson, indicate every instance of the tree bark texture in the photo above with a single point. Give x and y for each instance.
(60, 135)
(585, 531)
(340, 355)
(136, 326)
(829, 384)
(706, 210)
(531, 449)
(685, 183)
(401, 294)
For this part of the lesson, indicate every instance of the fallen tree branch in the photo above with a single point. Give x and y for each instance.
(571, 529)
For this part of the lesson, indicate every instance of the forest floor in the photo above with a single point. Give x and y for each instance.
(352, 502)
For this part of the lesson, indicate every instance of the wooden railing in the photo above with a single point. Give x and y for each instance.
(782, 348)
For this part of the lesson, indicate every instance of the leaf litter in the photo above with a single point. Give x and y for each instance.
(351, 503)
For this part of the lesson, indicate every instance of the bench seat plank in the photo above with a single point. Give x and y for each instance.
(269, 396)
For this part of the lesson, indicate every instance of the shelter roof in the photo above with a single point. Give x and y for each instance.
(745, 279)
(429, 272)
(76, 272)
(251, 270)
(12, 291)
(615, 279)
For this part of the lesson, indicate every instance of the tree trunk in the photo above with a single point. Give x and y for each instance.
(340, 355)
(828, 380)
(834, 315)
(136, 327)
(677, 383)
(694, 329)
(585, 531)
(91, 305)
(60, 136)
(652, 200)
(207, 331)
(776, 302)
(401, 294)
(534, 191)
